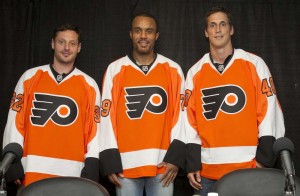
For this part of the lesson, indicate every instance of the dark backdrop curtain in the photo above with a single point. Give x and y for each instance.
(267, 28)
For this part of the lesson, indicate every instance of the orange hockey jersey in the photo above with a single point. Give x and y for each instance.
(141, 123)
(234, 116)
(57, 124)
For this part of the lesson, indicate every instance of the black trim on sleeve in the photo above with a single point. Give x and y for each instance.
(193, 157)
(110, 162)
(264, 153)
(14, 172)
(91, 169)
(176, 154)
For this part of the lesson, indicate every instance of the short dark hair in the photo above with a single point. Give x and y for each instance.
(65, 27)
(145, 14)
(215, 10)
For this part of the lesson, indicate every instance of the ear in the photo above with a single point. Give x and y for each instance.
(232, 31)
(130, 34)
(52, 44)
(156, 36)
(79, 48)
(206, 34)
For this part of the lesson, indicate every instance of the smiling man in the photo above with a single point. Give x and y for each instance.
(232, 112)
(55, 116)
(142, 140)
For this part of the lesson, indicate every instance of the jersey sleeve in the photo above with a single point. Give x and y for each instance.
(91, 168)
(269, 115)
(14, 129)
(193, 144)
(176, 151)
(110, 158)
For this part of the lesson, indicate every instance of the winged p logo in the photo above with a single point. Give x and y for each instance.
(154, 99)
(229, 99)
(61, 110)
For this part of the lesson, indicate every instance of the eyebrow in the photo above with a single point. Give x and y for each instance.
(62, 39)
(143, 28)
(219, 22)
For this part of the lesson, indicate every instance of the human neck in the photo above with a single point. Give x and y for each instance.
(143, 59)
(62, 68)
(220, 54)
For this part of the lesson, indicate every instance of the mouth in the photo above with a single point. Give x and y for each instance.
(219, 37)
(143, 43)
(65, 54)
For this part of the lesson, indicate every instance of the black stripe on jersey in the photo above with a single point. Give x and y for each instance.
(110, 162)
(193, 157)
(91, 169)
(264, 153)
(176, 154)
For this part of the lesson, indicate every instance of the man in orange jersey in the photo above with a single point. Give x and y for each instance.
(232, 112)
(55, 116)
(142, 137)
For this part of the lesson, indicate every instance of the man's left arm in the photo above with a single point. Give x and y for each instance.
(91, 168)
(175, 156)
(269, 116)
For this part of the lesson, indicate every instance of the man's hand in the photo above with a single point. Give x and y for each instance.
(18, 182)
(195, 180)
(114, 178)
(170, 173)
(258, 165)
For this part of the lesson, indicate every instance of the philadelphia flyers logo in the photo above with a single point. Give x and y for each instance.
(154, 99)
(61, 110)
(229, 99)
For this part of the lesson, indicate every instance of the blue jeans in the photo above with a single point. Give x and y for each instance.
(207, 186)
(135, 187)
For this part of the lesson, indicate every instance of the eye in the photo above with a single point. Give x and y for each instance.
(137, 30)
(73, 43)
(150, 31)
(60, 42)
(212, 25)
(223, 24)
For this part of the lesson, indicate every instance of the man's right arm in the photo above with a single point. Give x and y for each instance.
(193, 145)
(14, 129)
(110, 158)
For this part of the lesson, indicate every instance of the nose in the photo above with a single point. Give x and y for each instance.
(67, 46)
(143, 34)
(218, 28)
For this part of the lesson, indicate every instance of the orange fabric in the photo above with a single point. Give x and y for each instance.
(215, 171)
(227, 129)
(150, 129)
(156, 128)
(33, 177)
(218, 133)
(144, 171)
(50, 139)
(40, 139)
